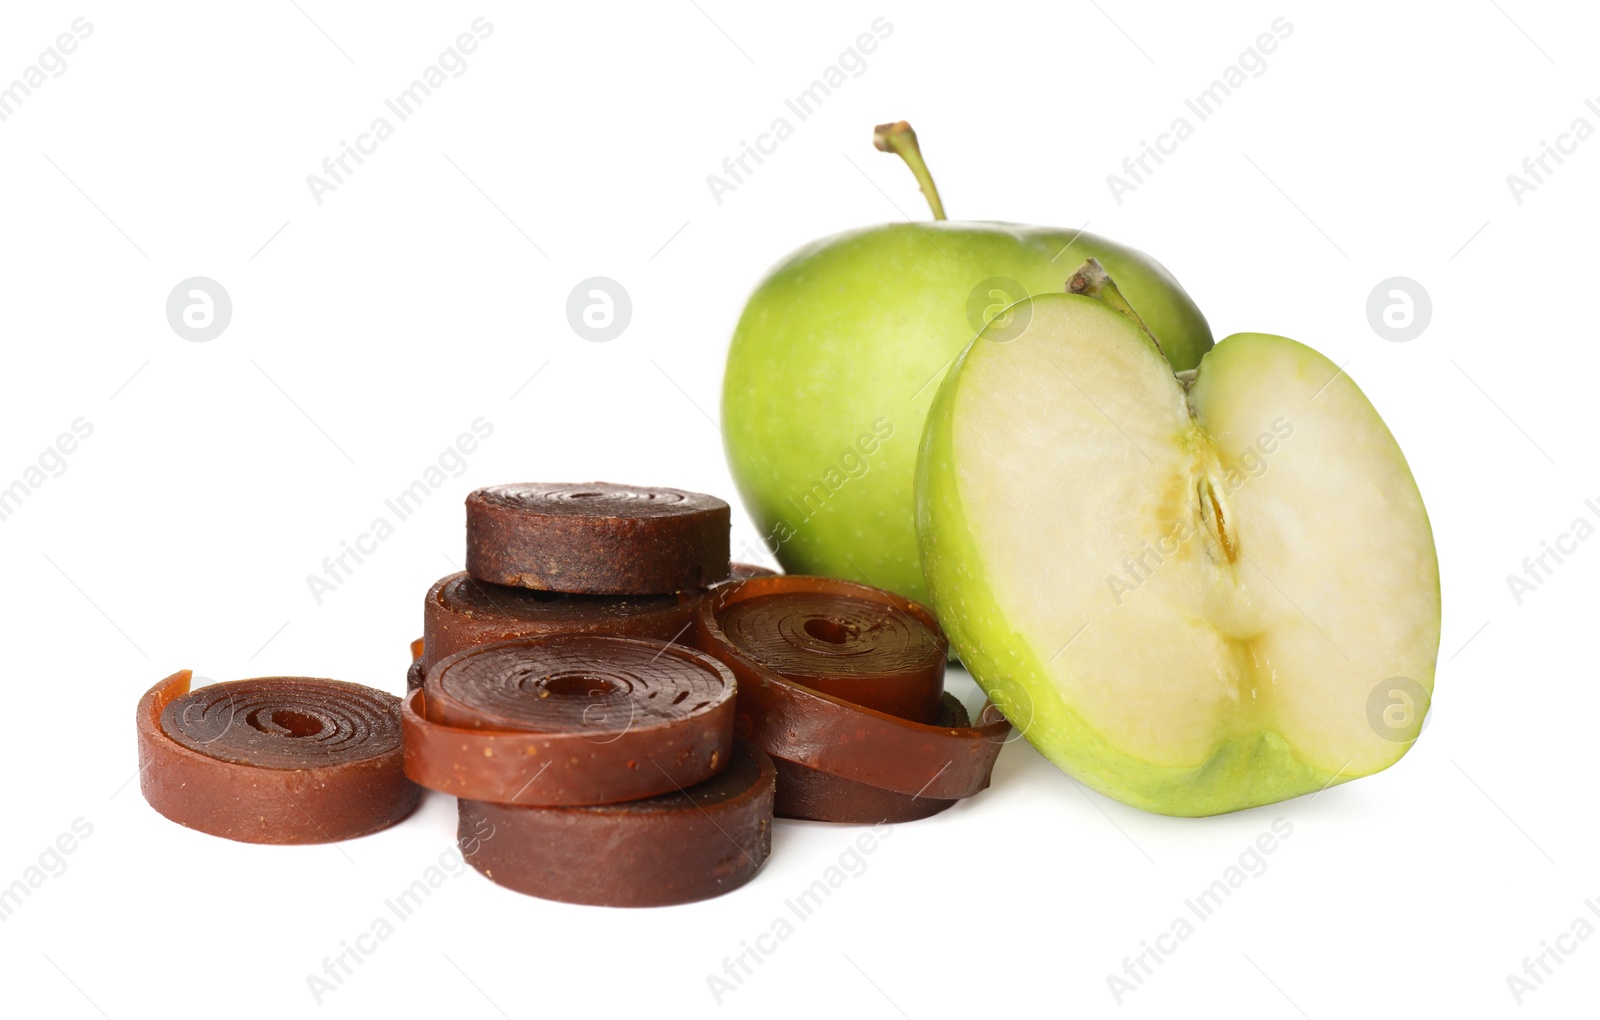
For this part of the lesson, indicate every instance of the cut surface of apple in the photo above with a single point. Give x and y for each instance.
(1184, 593)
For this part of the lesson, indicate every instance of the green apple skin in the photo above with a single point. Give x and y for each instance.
(836, 359)
(1244, 770)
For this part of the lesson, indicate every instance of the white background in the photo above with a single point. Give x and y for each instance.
(369, 330)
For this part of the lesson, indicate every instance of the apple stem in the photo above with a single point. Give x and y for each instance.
(899, 139)
(1092, 280)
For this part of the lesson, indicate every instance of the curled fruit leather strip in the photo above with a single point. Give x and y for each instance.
(804, 792)
(569, 720)
(679, 847)
(461, 612)
(274, 759)
(826, 729)
(597, 538)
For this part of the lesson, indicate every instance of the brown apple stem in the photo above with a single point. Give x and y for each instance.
(899, 139)
(1092, 280)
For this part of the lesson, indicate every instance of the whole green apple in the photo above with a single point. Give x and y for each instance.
(1194, 592)
(837, 356)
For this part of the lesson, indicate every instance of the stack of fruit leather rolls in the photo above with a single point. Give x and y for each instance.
(843, 686)
(594, 759)
(517, 587)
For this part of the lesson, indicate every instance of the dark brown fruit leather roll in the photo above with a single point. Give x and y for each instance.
(274, 759)
(461, 612)
(569, 720)
(865, 645)
(897, 768)
(597, 538)
(683, 846)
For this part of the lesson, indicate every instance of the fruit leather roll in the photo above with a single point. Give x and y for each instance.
(679, 847)
(461, 612)
(274, 759)
(569, 720)
(597, 538)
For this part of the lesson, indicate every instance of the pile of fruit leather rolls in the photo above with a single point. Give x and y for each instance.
(550, 697)
(618, 709)
(515, 587)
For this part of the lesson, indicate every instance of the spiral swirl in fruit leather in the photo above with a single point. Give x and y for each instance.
(569, 720)
(274, 759)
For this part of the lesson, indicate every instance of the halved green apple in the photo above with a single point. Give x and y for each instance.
(1187, 591)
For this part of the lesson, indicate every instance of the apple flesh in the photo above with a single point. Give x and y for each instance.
(835, 361)
(1184, 591)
